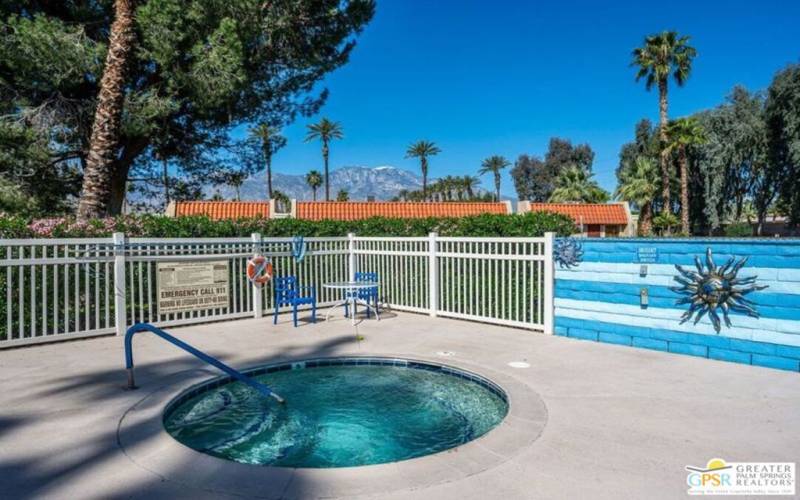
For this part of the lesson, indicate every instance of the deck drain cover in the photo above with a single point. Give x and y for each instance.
(446, 354)
(519, 364)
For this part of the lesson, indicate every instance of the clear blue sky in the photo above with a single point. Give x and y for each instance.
(482, 78)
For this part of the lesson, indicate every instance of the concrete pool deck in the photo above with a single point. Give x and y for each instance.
(588, 420)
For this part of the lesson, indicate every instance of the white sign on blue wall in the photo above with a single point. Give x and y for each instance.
(647, 255)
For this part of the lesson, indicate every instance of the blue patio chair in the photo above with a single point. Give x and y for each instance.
(287, 294)
(368, 295)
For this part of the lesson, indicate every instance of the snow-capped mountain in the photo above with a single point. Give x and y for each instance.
(382, 182)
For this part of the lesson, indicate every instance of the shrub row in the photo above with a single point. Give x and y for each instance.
(158, 226)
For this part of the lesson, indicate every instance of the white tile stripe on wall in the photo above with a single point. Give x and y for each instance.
(778, 280)
(775, 331)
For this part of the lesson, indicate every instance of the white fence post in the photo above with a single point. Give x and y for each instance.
(549, 283)
(433, 275)
(258, 290)
(120, 315)
(351, 257)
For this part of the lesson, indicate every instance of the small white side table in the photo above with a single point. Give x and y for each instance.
(351, 289)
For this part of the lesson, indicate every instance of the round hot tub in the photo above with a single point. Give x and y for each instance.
(339, 412)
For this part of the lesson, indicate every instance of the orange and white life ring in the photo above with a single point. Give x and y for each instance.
(259, 270)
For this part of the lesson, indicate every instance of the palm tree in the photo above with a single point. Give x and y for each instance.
(96, 189)
(422, 150)
(314, 181)
(402, 195)
(282, 202)
(639, 185)
(342, 195)
(661, 55)
(494, 164)
(443, 189)
(235, 179)
(575, 185)
(432, 192)
(470, 185)
(326, 131)
(446, 189)
(460, 187)
(271, 141)
(452, 188)
(417, 195)
(683, 133)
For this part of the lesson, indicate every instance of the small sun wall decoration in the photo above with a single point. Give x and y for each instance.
(568, 252)
(713, 288)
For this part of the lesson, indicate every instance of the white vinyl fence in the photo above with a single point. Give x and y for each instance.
(71, 288)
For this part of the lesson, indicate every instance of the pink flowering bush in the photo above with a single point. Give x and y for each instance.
(44, 228)
(67, 227)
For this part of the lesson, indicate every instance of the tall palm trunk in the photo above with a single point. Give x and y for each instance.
(684, 191)
(103, 145)
(497, 186)
(314, 194)
(646, 219)
(325, 152)
(269, 174)
(662, 134)
(165, 173)
(424, 167)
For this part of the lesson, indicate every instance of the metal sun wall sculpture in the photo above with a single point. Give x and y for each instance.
(568, 252)
(712, 288)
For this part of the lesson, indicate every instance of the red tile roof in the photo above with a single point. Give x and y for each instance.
(352, 210)
(587, 213)
(223, 209)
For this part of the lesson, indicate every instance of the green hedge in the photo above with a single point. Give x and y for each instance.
(739, 230)
(529, 224)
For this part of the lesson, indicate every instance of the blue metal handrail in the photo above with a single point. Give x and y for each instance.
(147, 327)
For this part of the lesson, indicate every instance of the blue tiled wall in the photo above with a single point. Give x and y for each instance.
(599, 299)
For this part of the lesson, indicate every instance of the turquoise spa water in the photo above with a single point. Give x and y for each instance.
(338, 416)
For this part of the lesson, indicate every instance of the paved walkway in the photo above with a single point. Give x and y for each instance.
(618, 422)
